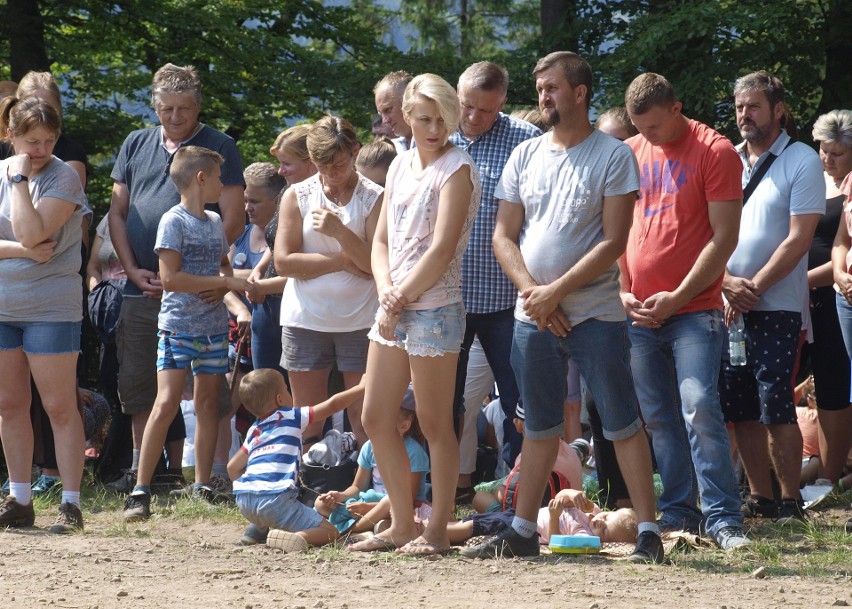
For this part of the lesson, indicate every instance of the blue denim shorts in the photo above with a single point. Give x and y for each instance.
(204, 354)
(426, 332)
(601, 350)
(303, 350)
(41, 337)
(281, 511)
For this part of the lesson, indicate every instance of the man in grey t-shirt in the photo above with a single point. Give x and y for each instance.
(566, 204)
(142, 192)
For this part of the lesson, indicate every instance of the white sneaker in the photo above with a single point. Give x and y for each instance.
(286, 541)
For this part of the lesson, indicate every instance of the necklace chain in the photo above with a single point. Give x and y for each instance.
(346, 187)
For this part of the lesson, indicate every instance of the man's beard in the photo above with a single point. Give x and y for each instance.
(755, 134)
(550, 116)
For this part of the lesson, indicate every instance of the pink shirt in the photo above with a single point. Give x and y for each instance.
(571, 522)
(412, 202)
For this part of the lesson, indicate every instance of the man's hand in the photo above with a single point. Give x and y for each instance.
(633, 306)
(541, 304)
(148, 282)
(659, 307)
(741, 293)
(244, 324)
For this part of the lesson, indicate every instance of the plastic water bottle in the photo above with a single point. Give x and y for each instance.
(736, 342)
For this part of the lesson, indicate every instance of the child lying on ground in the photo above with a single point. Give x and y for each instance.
(567, 464)
(265, 471)
(366, 500)
(569, 513)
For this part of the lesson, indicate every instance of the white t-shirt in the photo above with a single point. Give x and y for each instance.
(339, 301)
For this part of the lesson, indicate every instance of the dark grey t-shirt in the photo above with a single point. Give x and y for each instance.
(143, 165)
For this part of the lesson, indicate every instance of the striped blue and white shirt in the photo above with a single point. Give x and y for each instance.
(485, 287)
(274, 447)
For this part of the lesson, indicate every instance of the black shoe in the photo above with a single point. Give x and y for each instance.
(125, 483)
(70, 519)
(757, 506)
(649, 549)
(13, 514)
(137, 506)
(506, 544)
(254, 535)
(791, 511)
(169, 481)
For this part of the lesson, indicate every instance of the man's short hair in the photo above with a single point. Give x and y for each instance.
(397, 80)
(438, 90)
(188, 161)
(576, 69)
(266, 176)
(329, 136)
(258, 390)
(763, 81)
(379, 153)
(648, 90)
(834, 126)
(176, 79)
(486, 76)
(619, 115)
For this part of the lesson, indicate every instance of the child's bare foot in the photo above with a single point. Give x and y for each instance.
(422, 547)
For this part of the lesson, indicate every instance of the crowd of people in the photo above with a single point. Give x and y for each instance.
(461, 249)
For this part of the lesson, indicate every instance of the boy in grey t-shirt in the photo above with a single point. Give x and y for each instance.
(193, 322)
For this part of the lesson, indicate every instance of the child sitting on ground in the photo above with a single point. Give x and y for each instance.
(192, 323)
(569, 513)
(568, 465)
(364, 504)
(265, 470)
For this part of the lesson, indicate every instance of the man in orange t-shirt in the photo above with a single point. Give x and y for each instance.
(685, 226)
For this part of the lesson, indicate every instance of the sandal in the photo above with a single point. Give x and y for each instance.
(373, 544)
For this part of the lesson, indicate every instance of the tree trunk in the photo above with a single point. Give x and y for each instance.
(24, 28)
(558, 26)
(838, 50)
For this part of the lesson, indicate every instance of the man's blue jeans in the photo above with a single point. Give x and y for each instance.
(676, 373)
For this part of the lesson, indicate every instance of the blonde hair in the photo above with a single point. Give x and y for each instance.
(438, 90)
(293, 141)
(258, 390)
(188, 161)
(329, 136)
(619, 115)
(626, 529)
(176, 79)
(33, 82)
(397, 81)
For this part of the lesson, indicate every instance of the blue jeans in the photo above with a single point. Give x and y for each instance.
(495, 334)
(844, 316)
(676, 372)
(601, 351)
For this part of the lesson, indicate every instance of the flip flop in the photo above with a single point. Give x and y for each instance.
(373, 544)
(422, 548)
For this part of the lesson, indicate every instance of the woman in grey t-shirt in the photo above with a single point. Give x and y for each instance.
(41, 207)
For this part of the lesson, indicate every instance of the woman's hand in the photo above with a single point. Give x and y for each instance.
(254, 293)
(387, 325)
(327, 222)
(359, 509)
(392, 300)
(42, 252)
(19, 164)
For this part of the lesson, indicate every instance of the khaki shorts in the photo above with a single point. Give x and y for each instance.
(136, 341)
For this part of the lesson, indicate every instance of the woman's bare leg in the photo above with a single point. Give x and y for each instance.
(16, 429)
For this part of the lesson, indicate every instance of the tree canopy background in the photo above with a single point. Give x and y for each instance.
(265, 64)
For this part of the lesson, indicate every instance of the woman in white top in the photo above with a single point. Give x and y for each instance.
(432, 197)
(326, 224)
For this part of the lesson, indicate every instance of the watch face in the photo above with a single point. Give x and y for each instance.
(19, 178)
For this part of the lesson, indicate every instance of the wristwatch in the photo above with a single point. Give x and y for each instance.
(19, 178)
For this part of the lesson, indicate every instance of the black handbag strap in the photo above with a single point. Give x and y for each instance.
(757, 176)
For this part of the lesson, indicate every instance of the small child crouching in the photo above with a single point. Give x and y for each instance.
(266, 469)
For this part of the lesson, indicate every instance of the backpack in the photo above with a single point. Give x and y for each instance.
(555, 483)
(104, 307)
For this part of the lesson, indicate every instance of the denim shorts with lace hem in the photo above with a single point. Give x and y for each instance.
(426, 332)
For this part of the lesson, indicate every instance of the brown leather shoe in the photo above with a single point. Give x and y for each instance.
(70, 519)
(13, 514)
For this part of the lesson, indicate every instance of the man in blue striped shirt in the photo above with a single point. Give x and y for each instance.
(489, 136)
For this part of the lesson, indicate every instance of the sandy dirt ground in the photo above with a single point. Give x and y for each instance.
(175, 563)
